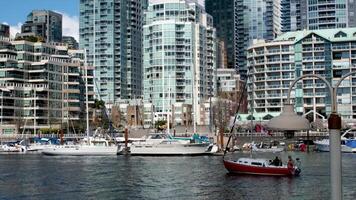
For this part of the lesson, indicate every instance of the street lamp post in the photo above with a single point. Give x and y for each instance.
(334, 124)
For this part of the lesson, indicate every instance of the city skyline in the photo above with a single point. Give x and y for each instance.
(68, 8)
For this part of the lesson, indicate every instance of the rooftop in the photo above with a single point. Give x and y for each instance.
(333, 35)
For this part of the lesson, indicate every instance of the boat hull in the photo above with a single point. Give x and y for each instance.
(270, 150)
(80, 150)
(169, 149)
(237, 168)
(325, 147)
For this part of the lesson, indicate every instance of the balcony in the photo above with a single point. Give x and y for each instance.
(340, 47)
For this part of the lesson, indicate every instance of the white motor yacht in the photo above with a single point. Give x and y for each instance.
(162, 144)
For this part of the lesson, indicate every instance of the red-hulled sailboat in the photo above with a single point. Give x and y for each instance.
(258, 166)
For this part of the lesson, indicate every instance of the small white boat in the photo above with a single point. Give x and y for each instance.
(162, 144)
(348, 145)
(262, 148)
(95, 147)
(13, 147)
(324, 146)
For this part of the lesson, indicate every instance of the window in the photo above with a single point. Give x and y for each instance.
(340, 34)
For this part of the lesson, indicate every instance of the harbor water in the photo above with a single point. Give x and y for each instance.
(35, 176)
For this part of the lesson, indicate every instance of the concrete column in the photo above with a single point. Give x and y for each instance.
(334, 123)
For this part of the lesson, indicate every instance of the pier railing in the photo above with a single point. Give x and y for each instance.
(281, 134)
(24, 136)
(238, 134)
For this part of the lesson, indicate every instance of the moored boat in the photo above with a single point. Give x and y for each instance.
(16, 146)
(92, 147)
(348, 144)
(257, 166)
(160, 144)
(263, 148)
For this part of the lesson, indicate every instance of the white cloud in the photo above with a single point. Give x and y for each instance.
(70, 25)
(15, 29)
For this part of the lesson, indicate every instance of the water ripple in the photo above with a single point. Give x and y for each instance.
(125, 177)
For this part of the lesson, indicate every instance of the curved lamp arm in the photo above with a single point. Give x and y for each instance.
(331, 89)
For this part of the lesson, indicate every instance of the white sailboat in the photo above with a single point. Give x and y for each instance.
(90, 146)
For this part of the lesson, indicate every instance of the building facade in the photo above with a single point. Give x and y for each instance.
(4, 30)
(43, 23)
(291, 15)
(111, 31)
(70, 41)
(41, 85)
(273, 65)
(179, 55)
(254, 20)
(327, 14)
(223, 16)
(231, 87)
(317, 14)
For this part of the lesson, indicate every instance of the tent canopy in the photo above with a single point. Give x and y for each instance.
(256, 116)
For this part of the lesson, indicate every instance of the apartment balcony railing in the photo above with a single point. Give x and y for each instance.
(340, 47)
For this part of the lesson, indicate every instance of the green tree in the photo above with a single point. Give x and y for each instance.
(160, 125)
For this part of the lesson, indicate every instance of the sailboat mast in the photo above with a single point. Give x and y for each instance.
(194, 98)
(86, 90)
(169, 97)
(252, 110)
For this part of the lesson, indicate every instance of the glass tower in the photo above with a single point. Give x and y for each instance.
(254, 20)
(223, 13)
(111, 31)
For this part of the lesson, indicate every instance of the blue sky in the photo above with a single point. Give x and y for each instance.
(14, 12)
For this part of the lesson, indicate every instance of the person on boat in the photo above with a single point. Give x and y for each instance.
(276, 161)
(290, 163)
(298, 163)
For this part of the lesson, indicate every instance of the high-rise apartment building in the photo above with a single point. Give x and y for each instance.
(326, 14)
(179, 55)
(43, 23)
(254, 20)
(273, 65)
(239, 22)
(111, 31)
(223, 16)
(71, 42)
(41, 85)
(4, 30)
(291, 15)
(317, 14)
